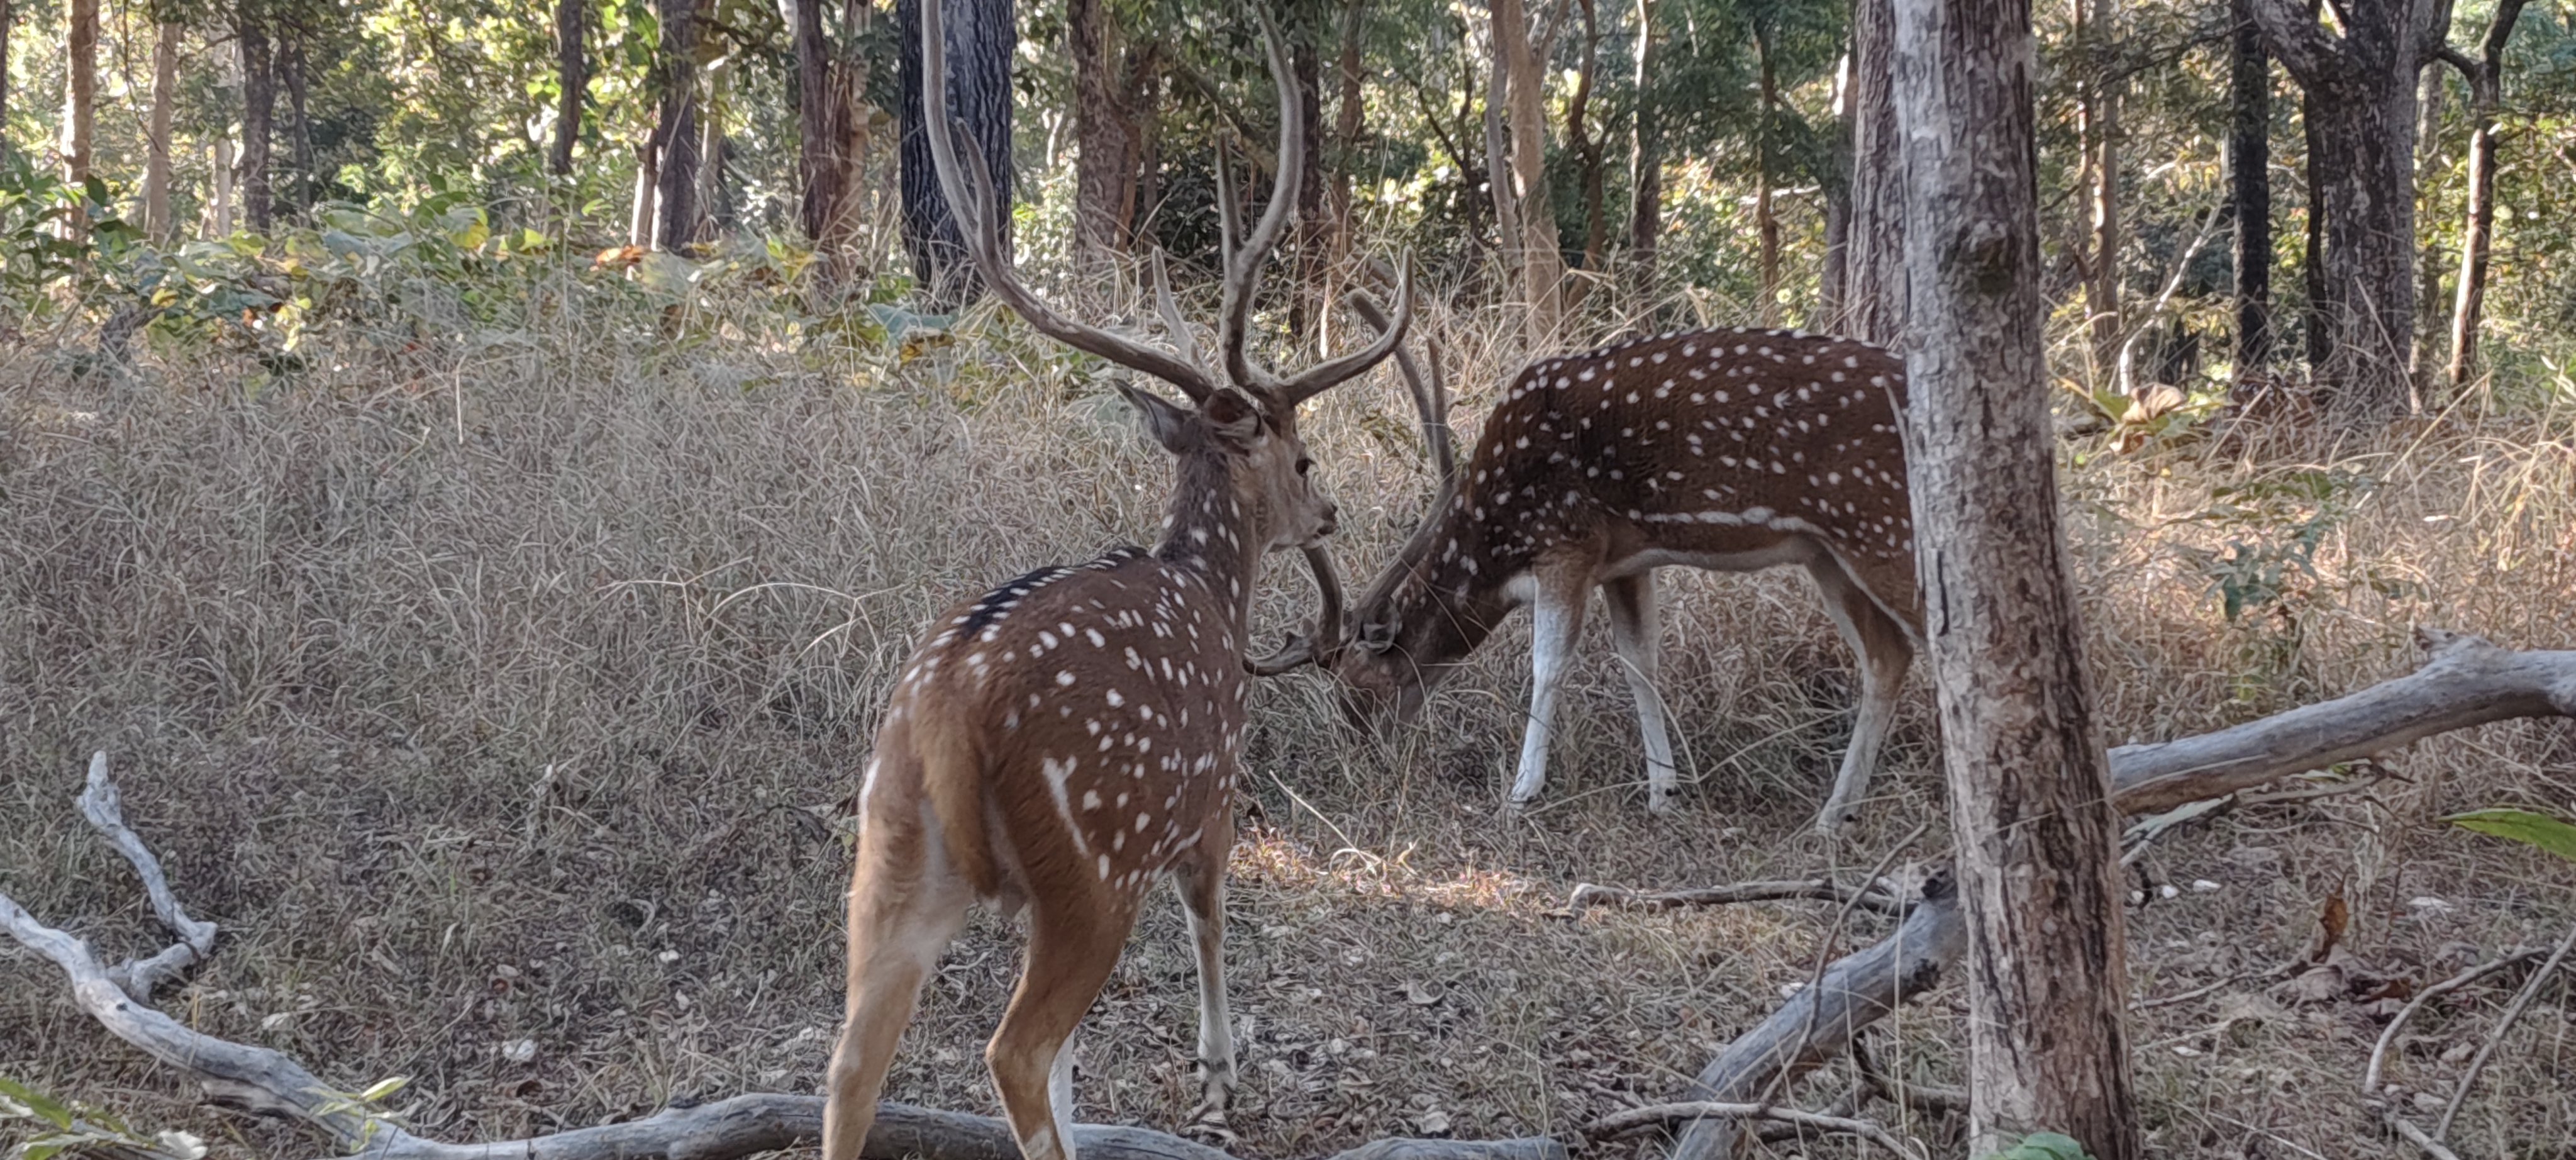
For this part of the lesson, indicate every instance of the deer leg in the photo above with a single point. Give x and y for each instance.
(1202, 883)
(1884, 653)
(1636, 629)
(1072, 946)
(1556, 620)
(906, 901)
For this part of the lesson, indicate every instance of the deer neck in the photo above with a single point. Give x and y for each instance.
(1459, 580)
(1215, 533)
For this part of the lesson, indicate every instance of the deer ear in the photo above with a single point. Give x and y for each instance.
(1234, 417)
(1169, 424)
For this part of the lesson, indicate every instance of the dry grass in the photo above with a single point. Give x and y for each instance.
(514, 691)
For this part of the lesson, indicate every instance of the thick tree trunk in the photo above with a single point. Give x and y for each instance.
(981, 37)
(1525, 117)
(2361, 111)
(156, 140)
(572, 76)
(2029, 783)
(1104, 129)
(676, 214)
(2249, 180)
(2485, 76)
(831, 83)
(1874, 288)
(1646, 155)
(259, 109)
(80, 98)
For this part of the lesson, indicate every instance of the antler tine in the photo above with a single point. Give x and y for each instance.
(1430, 398)
(1171, 312)
(1243, 266)
(1299, 648)
(1323, 376)
(973, 207)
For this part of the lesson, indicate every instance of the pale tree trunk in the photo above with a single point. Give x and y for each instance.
(2485, 75)
(1104, 130)
(1766, 221)
(2098, 125)
(220, 213)
(1525, 117)
(2361, 89)
(1830, 276)
(1646, 156)
(80, 99)
(648, 189)
(2430, 96)
(156, 143)
(2249, 179)
(2030, 791)
(8, 18)
(572, 75)
(1874, 286)
(1587, 149)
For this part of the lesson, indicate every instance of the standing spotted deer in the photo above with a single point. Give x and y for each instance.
(1066, 740)
(1727, 450)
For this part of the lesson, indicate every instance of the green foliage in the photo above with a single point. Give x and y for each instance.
(2531, 829)
(61, 1128)
(2275, 526)
(2043, 1146)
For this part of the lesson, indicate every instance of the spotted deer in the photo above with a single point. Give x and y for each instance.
(1063, 742)
(1727, 450)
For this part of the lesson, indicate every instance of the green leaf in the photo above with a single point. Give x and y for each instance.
(2524, 826)
(2044, 1146)
(384, 1087)
(36, 1103)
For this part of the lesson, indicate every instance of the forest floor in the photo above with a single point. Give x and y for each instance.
(504, 708)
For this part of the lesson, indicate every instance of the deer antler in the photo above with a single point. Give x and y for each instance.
(974, 208)
(1302, 648)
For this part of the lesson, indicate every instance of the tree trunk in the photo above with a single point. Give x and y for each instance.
(1314, 229)
(1832, 274)
(831, 87)
(1874, 288)
(2249, 180)
(981, 37)
(676, 215)
(220, 212)
(2029, 783)
(715, 194)
(1347, 124)
(648, 189)
(2361, 109)
(1525, 116)
(1104, 168)
(572, 76)
(299, 122)
(1766, 221)
(2485, 76)
(8, 18)
(80, 100)
(2100, 127)
(156, 140)
(1646, 155)
(2430, 96)
(259, 108)
(1587, 148)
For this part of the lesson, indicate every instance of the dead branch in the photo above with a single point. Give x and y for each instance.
(1658, 1115)
(2504, 1023)
(2464, 681)
(1871, 898)
(267, 1082)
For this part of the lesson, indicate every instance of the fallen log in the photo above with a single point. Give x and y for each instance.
(2464, 681)
(267, 1082)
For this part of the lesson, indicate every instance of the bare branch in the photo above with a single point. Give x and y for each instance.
(1658, 1115)
(140, 977)
(2388, 1035)
(1870, 898)
(2504, 1023)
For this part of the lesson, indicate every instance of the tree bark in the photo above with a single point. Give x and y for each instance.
(1874, 288)
(831, 94)
(2361, 89)
(572, 76)
(1587, 148)
(259, 109)
(1542, 265)
(156, 140)
(1104, 198)
(2423, 345)
(676, 214)
(2485, 76)
(299, 122)
(981, 37)
(1833, 275)
(1646, 155)
(2249, 181)
(2099, 126)
(8, 19)
(2029, 782)
(80, 100)
(1347, 124)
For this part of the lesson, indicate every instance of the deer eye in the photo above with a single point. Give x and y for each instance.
(1304, 465)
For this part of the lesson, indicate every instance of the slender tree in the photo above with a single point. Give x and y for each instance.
(259, 110)
(2249, 184)
(1766, 219)
(982, 36)
(2030, 786)
(1646, 151)
(2485, 74)
(1348, 70)
(676, 208)
(2098, 130)
(156, 140)
(1587, 146)
(80, 95)
(572, 79)
(1874, 253)
(2360, 78)
(1524, 87)
(8, 19)
(831, 86)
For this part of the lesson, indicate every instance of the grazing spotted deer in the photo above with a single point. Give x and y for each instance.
(1068, 739)
(1727, 450)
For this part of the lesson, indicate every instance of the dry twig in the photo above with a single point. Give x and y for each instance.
(1657, 1115)
(1871, 898)
(2504, 1023)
